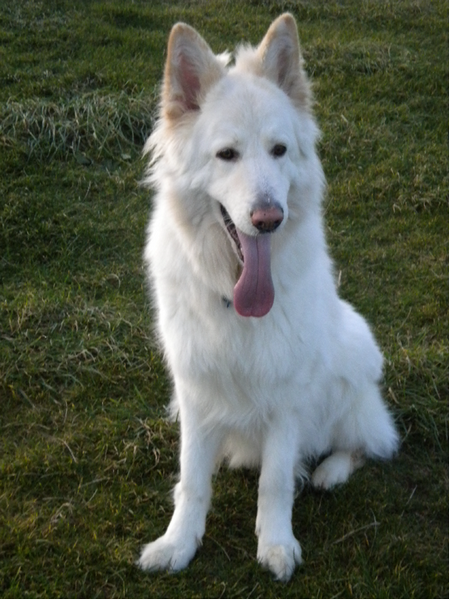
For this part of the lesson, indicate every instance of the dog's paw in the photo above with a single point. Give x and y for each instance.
(336, 469)
(281, 559)
(164, 554)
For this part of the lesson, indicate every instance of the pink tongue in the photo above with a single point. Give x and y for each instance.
(254, 293)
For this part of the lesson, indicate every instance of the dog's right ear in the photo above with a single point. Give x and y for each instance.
(191, 69)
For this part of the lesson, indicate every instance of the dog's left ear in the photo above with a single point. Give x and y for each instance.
(282, 62)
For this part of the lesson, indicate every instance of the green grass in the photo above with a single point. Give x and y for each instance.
(87, 459)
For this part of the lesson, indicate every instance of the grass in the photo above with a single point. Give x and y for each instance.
(107, 125)
(87, 458)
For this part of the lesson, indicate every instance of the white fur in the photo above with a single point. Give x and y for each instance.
(270, 392)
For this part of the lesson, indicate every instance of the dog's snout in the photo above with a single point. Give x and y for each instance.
(267, 219)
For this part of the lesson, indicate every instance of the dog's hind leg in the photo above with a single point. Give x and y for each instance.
(336, 468)
(367, 429)
(175, 549)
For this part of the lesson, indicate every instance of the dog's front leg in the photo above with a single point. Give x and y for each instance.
(278, 550)
(175, 549)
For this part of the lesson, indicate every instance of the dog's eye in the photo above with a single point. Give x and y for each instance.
(228, 154)
(278, 150)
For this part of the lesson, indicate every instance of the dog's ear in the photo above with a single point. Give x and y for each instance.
(191, 69)
(282, 62)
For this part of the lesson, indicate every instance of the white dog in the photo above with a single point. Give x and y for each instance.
(270, 367)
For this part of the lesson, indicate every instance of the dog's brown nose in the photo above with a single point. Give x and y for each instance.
(267, 219)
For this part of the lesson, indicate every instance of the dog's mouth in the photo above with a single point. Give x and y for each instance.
(232, 231)
(254, 292)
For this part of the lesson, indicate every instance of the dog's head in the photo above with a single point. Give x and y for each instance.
(246, 136)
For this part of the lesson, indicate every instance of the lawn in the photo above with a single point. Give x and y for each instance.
(88, 459)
